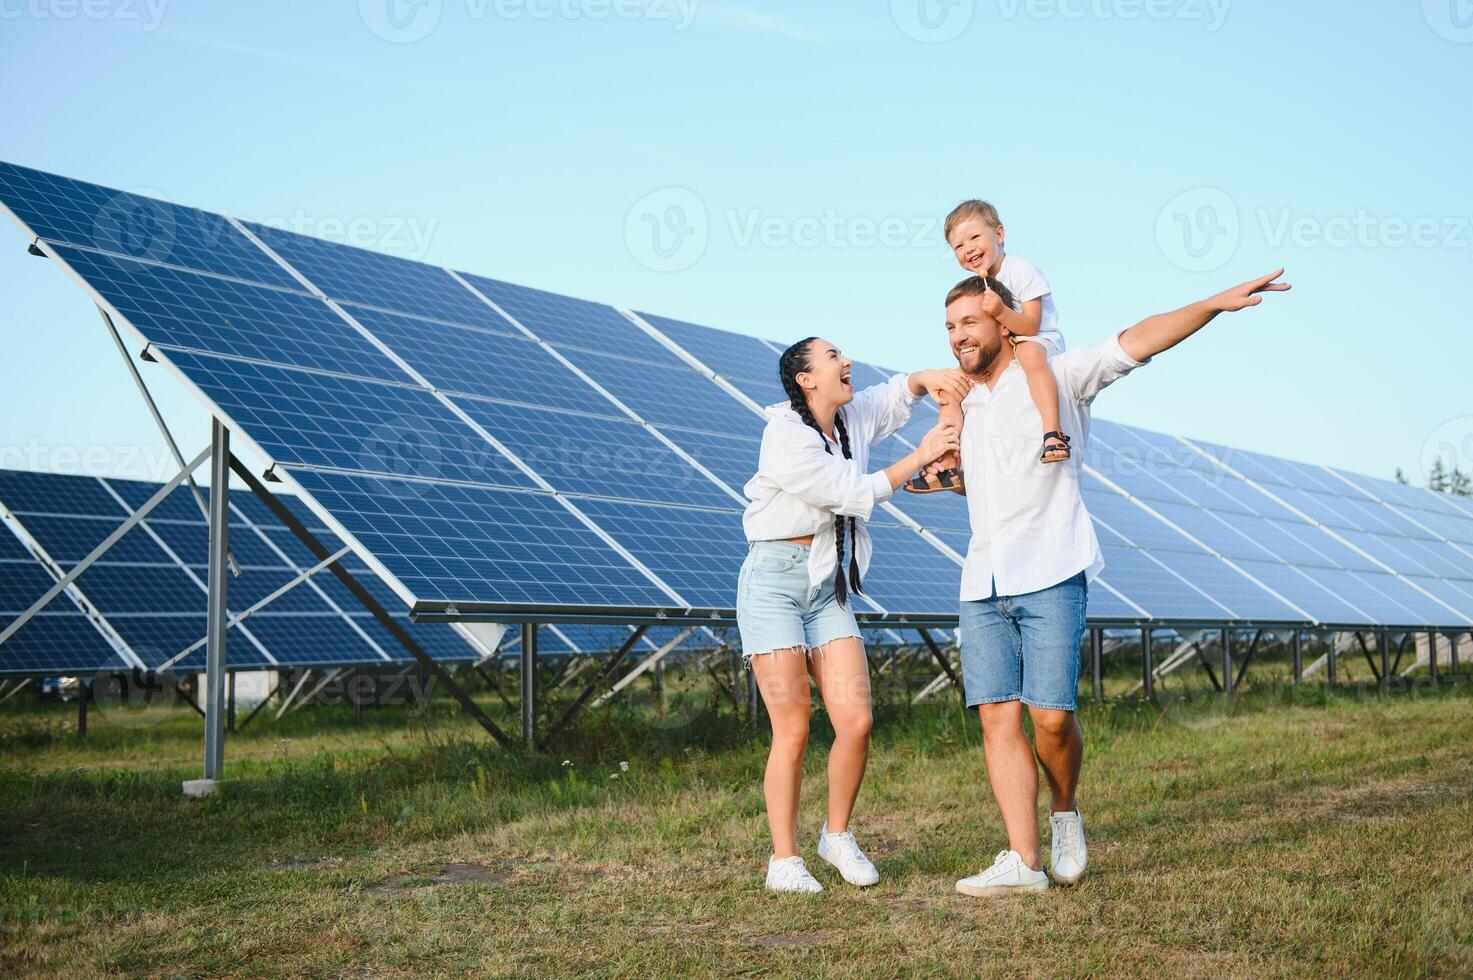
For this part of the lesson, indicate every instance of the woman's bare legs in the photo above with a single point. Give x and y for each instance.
(842, 673)
(782, 677)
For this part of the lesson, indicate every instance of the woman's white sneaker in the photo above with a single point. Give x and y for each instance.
(1067, 852)
(842, 851)
(790, 875)
(1008, 874)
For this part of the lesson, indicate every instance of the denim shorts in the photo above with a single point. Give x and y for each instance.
(1025, 647)
(778, 610)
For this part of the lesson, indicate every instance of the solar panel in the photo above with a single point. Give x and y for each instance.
(478, 472)
(150, 587)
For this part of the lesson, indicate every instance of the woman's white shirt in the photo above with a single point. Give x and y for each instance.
(799, 487)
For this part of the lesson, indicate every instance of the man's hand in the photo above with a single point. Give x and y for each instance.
(1248, 294)
(1165, 330)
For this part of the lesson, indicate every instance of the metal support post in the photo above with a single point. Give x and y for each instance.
(219, 578)
(529, 685)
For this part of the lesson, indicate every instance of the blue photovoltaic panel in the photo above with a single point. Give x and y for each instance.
(463, 360)
(191, 542)
(174, 308)
(57, 638)
(668, 393)
(374, 279)
(59, 209)
(1102, 603)
(701, 549)
(42, 493)
(452, 543)
(907, 574)
(1151, 586)
(730, 355)
(596, 455)
(732, 459)
(303, 418)
(563, 321)
(22, 582)
(1303, 588)
(70, 539)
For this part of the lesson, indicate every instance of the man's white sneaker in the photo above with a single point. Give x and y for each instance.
(843, 852)
(1067, 852)
(1008, 874)
(790, 875)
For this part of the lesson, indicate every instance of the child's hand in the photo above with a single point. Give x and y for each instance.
(992, 304)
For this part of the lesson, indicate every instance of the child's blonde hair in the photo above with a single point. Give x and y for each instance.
(966, 211)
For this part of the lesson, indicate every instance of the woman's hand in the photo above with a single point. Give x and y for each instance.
(950, 381)
(938, 442)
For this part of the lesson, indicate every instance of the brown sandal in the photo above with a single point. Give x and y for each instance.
(944, 480)
(1054, 442)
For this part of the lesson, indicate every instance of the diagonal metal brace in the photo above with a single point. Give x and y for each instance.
(388, 622)
(603, 675)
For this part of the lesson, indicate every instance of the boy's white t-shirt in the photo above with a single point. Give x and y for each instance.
(1025, 282)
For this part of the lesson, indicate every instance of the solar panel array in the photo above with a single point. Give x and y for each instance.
(143, 602)
(491, 449)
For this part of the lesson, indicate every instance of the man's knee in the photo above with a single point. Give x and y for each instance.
(1054, 725)
(1001, 718)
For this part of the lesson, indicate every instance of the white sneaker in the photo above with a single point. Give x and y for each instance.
(1008, 874)
(842, 851)
(1067, 852)
(790, 875)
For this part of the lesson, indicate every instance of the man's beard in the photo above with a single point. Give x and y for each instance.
(981, 362)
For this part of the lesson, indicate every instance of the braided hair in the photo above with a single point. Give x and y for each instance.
(795, 361)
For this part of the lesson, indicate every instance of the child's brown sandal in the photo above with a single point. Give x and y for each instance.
(1054, 442)
(935, 483)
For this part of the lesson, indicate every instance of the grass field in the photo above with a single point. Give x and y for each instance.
(1284, 834)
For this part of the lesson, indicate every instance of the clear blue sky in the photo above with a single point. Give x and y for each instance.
(795, 163)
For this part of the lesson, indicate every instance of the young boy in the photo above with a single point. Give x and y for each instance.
(976, 235)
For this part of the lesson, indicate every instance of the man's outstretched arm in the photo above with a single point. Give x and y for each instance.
(1164, 331)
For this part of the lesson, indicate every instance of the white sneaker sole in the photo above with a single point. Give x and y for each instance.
(992, 891)
(1069, 880)
(863, 883)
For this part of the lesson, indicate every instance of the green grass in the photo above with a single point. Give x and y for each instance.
(1287, 833)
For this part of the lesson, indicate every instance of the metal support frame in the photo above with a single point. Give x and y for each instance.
(219, 579)
(163, 426)
(1455, 639)
(941, 658)
(1432, 655)
(1148, 679)
(328, 677)
(1383, 645)
(1296, 651)
(102, 548)
(593, 685)
(529, 685)
(1247, 659)
(20, 685)
(645, 665)
(320, 552)
(1332, 662)
(1227, 661)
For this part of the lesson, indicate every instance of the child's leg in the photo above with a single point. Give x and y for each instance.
(1045, 391)
(951, 412)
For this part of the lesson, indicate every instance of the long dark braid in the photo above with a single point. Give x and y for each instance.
(794, 361)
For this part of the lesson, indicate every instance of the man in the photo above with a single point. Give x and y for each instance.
(1032, 553)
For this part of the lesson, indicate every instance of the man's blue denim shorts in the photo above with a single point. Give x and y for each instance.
(778, 610)
(1025, 647)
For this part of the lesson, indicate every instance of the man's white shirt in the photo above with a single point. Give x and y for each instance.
(1030, 529)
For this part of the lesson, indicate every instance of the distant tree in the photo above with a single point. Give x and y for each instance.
(1401, 477)
(1437, 478)
(1460, 483)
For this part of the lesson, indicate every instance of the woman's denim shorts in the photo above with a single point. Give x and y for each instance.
(778, 610)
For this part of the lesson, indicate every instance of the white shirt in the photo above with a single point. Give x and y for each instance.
(1025, 281)
(799, 488)
(1030, 530)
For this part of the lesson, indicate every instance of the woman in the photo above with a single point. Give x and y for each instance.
(809, 500)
